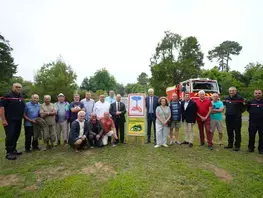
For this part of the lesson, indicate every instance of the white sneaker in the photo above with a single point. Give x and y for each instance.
(165, 145)
(157, 146)
(177, 142)
(171, 142)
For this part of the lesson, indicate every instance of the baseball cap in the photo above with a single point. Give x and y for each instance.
(61, 94)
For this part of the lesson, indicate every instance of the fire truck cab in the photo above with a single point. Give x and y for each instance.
(193, 86)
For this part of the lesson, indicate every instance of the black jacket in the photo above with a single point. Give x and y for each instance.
(189, 115)
(97, 129)
(255, 110)
(74, 131)
(155, 105)
(113, 111)
(235, 106)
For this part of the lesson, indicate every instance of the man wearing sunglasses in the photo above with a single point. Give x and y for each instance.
(12, 108)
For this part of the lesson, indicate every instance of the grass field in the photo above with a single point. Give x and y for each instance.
(133, 170)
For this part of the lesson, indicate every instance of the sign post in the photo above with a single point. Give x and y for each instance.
(136, 116)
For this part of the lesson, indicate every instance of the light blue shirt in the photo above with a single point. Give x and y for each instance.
(110, 99)
(32, 112)
(89, 106)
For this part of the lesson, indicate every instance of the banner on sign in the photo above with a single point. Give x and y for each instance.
(136, 105)
(136, 126)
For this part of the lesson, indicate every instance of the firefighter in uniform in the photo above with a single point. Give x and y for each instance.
(235, 106)
(255, 110)
(12, 108)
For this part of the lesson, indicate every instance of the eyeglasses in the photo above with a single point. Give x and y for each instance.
(18, 87)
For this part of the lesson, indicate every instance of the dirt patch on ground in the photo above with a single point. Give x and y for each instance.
(51, 173)
(220, 173)
(31, 188)
(9, 180)
(100, 170)
(259, 159)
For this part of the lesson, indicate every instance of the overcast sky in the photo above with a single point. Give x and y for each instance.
(121, 35)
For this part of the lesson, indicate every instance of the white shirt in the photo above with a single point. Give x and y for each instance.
(186, 104)
(100, 108)
(81, 128)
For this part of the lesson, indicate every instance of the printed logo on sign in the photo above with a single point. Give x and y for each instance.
(136, 107)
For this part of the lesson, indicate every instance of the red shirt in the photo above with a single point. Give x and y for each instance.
(203, 107)
(107, 124)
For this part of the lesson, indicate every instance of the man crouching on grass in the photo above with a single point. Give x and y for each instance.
(109, 130)
(78, 132)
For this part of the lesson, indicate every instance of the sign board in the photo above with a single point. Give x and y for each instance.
(136, 114)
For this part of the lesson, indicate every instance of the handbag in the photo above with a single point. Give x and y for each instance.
(169, 121)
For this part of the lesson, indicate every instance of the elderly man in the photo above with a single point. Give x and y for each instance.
(62, 117)
(118, 110)
(235, 106)
(48, 113)
(101, 107)
(110, 99)
(255, 109)
(79, 131)
(151, 102)
(204, 107)
(32, 110)
(216, 117)
(175, 108)
(188, 109)
(75, 107)
(109, 129)
(88, 103)
(95, 131)
(12, 108)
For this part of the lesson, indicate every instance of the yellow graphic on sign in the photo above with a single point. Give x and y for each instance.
(135, 126)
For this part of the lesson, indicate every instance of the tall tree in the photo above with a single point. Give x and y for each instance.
(102, 80)
(223, 54)
(54, 78)
(143, 79)
(175, 59)
(120, 89)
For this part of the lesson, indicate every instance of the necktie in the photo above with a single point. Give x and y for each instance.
(119, 106)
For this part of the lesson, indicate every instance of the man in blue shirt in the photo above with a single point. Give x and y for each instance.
(32, 109)
(110, 99)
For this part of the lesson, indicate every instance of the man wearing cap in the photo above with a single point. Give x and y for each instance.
(62, 116)
(88, 103)
(75, 107)
(12, 108)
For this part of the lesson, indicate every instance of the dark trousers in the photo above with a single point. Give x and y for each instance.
(151, 120)
(119, 125)
(233, 126)
(12, 132)
(94, 142)
(28, 138)
(252, 130)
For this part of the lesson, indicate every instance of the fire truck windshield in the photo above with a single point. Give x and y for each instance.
(205, 85)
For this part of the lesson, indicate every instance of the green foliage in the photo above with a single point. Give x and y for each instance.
(120, 89)
(175, 60)
(102, 80)
(54, 78)
(143, 79)
(223, 54)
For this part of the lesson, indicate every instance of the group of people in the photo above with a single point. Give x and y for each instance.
(84, 123)
(167, 115)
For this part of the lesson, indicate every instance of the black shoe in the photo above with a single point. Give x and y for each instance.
(250, 150)
(11, 157)
(191, 145)
(202, 144)
(228, 147)
(17, 153)
(58, 143)
(236, 149)
(124, 143)
(65, 141)
(36, 149)
(184, 142)
(28, 150)
(210, 148)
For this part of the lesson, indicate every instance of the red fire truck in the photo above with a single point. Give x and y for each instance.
(193, 86)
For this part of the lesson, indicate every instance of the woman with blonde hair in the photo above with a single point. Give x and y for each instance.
(163, 114)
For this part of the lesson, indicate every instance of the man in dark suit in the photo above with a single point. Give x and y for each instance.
(118, 110)
(189, 111)
(151, 102)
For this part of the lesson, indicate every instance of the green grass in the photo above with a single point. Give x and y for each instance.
(133, 170)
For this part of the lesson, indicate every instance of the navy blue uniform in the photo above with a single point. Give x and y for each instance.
(235, 106)
(14, 106)
(255, 110)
